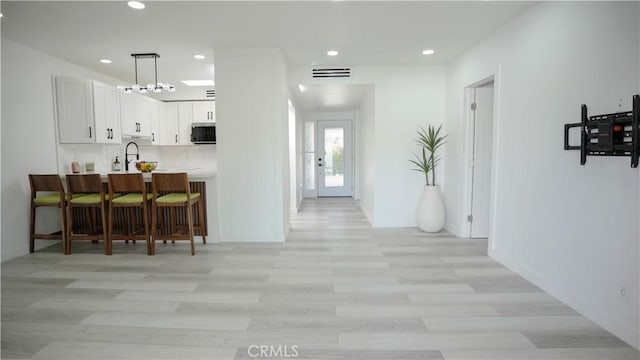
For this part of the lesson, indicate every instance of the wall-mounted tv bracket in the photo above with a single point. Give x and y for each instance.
(615, 134)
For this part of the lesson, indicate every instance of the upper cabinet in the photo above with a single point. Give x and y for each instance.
(91, 112)
(87, 111)
(106, 109)
(204, 111)
(185, 116)
(136, 115)
(176, 127)
(170, 129)
(127, 114)
(157, 115)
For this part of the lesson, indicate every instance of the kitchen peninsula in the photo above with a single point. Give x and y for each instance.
(200, 180)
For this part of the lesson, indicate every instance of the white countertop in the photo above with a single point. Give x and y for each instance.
(193, 173)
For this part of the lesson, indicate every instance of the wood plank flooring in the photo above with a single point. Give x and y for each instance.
(336, 289)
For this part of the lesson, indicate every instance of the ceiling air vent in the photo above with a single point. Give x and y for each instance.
(211, 93)
(332, 73)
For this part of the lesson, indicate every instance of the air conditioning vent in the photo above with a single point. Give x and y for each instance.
(332, 73)
(211, 93)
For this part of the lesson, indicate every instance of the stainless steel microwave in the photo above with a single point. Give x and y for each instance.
(203, 133)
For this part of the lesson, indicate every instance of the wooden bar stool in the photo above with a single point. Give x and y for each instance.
(134, 195)
(94, 198)
(55, 197)
(171, 191)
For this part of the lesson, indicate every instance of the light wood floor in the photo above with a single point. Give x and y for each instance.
(337, 289)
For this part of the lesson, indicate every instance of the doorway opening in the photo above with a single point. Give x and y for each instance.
(479, 103)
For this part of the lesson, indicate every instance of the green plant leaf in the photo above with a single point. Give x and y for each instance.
(430, 141)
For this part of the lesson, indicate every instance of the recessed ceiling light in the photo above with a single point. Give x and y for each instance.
(136, 5)
(199, 57)
(427, 52)
(332, 52)
(105, 61)
(302, 88)
(199, 82)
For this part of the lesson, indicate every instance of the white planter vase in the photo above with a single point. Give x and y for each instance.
(431, 214)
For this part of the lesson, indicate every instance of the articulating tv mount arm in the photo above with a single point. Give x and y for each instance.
(616, 134)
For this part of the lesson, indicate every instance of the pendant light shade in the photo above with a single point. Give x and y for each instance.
(155, 87)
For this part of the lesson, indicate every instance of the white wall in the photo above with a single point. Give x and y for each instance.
(1, 252)
(570, 229)
(251, 111)
(28, 136)
(365, 161)
(406, 97)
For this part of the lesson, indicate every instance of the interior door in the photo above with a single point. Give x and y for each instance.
(335, 160)
(481, 178)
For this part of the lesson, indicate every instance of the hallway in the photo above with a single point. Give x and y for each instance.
(337, 289)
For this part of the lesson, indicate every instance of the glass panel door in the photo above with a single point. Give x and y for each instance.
(334, 162)
(333, 157)
(309, 156)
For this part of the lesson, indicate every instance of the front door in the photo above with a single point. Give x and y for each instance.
(334, 160)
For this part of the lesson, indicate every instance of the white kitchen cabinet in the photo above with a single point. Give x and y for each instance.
(185, 117)
(74, 107)
(142, 109)
(170, 129)
(87, 111)
(106, 109)
(204, 111)
(156, 114)
(136, 115)
(127, 114)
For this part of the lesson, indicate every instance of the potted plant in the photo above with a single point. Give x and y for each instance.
(430, 214)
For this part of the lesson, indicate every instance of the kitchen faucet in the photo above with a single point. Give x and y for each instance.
(126, 155)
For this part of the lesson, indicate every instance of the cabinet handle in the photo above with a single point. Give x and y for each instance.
(176, 138)
(90, 134)
(208, 115)
(153, 137)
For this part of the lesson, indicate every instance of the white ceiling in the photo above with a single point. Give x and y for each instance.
(365, 33)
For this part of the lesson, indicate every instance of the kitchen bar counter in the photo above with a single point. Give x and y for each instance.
(192, 174)
(200, 180)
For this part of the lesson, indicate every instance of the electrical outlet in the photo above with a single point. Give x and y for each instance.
(623, 291)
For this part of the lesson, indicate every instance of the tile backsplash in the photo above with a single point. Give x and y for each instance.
(168, 157)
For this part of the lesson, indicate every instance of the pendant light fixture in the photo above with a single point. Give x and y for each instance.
(155, 87)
